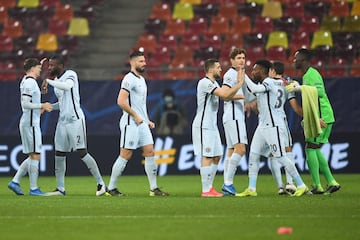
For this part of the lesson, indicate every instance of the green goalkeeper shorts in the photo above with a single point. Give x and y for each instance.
(323, 137)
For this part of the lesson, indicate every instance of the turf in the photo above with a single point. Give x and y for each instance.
(183, 215)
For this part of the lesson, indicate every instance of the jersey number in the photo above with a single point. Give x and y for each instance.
(279, 101)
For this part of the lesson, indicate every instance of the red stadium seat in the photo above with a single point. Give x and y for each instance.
(161, 54)
(147, 42)
(309, 24)
(219, 25)
(161, 11)
(6, 44)
(191, 40)
(211, 40)
(12, 29)
(339, 8)
(263, 25)
(169, 41)
(175, 27)
(57, 27)
(276, 53)
(337, 68)
(197, 26)
(241, 25)
(64, 12)
(183, 54)
(295, 10)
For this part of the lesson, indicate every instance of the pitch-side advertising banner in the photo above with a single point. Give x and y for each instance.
(174, 155)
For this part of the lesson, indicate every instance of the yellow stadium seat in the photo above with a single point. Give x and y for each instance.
(193, 2)
(355, 10)
(351, 24)
(277, 39)
(183, 11)
(321, 38)
(272, 9)
(331, 23)
(257, 1)
(28, 3)
(79, 27)
(47, 42)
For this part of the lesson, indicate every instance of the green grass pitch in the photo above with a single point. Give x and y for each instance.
(183, 215)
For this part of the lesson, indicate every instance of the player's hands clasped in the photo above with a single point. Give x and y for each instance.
(46, 107)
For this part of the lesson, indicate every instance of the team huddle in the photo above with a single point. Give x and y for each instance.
(266, 96)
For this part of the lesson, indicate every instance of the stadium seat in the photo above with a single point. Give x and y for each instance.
(47, 42)
(344, 38)
(3, 15)
(299, 40)
(257, 1)
(28, 3)
(272, 9)
(161, 11)
(44, 13)
(345, 51)
(198, 25)
(250, 9)
(79, 27)
(89, 13)
(205, 10)
(255, 40)
(253, 54)
(154, 70)
(193, 2)
(209, 52)
(183, 11)
(154, 26)
(355, 10)
(69, 42)
(263, 25)
(337, 68)
(319, 64)
(57, 27)
(211, 40)
(277, 39)
(241, 25)
(321, 38)
(6, 44)
(177, 72)
(12, 28)
(323, 51)
(233, 40)
(50, 3)
(190, 40)
(219, 25)
(147, 42)
(175, 27)
(183, 54)
(355, 67)
(33, 26)
(26, 43)
(286, 24)
(331, 23)
(63, 12)
(8, 71)
(318, 8)
(161, 54)
(276, 53)
(295, 10)
(309, 24)
(351, 24)
(8, 3)
(339, 8)
(228, 10)
(169, 41)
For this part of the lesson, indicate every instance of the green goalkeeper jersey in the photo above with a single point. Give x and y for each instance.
(313, 78)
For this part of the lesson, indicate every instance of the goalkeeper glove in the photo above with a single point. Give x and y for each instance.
(293, 86)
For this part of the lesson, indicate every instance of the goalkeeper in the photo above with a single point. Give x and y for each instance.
(314, 157)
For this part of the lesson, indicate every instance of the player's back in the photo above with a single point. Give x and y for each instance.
(271, 103)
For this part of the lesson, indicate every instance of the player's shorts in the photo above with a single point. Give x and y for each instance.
(269, 140)
(235, 132)
(70, 136)
(207, 143)
(323, 137)
(30, 138)
(135, 136)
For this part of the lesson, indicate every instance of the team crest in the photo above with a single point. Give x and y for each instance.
(228, 80)
(207, 149)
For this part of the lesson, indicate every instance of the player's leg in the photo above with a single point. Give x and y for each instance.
(313, 165)
(333, 186)
(276, 172)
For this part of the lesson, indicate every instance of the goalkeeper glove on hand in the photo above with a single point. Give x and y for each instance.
(293, 86)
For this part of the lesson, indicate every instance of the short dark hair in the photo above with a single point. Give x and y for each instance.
(30, 62)
(58, 58)
(278, 67)
(236, 51)
(209, 63)
(265, 64)
(135, 54)
(305, 53)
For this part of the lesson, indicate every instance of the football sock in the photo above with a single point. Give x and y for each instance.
(33, 173)
(93, 168)
(324, 168)
(60, 168)
(117, 169)
(214, 168)
(232, 166)
(206, 175)
(23, 169)
(276, 171)
(151, 171)
(289, 179)
(290, 167)
(226, 168)
(313, 164)
(254, 159)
